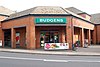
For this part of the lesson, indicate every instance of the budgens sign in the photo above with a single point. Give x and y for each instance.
(50, 20)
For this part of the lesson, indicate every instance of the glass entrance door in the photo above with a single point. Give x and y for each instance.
(49, 37)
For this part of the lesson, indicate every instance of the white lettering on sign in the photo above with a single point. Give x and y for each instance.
(51, 20)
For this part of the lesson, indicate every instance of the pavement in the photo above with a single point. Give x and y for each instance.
(92, 50)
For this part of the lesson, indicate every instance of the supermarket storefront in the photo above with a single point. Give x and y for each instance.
(48, 27)
(52, 32)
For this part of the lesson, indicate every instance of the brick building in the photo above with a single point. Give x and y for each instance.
(33, 27)
(96, 20)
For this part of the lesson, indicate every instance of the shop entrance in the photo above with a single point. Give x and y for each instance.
(17, 39)
(7, 38)
(49, 37)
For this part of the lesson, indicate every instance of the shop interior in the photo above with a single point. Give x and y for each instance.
(49, 37)
(7, 38)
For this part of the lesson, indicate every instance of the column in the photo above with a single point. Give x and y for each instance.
(82, 36)
(94, 36)
(89, 37)
(30, 37)
(13, 38)
(37, 37)
(22, 38)
(69, 32)
(2, 36)
(62, 36)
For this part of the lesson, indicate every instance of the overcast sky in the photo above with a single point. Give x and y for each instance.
(88, 6)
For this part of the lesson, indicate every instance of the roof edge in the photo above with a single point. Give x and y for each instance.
(85, 13)
(37, 15)
(4, 15)
(96, 24)
(83, 19)
(46, 15)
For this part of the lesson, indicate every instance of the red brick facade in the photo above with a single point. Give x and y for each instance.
(30, 33)
(97, 33)
(26, 22)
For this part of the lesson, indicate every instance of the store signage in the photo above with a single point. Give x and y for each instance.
(50, 20)
(55, 46)
(0, 42)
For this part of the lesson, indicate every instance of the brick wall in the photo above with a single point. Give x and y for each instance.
(82, 24)
(18, 23)
(33, 32)
(98, 33)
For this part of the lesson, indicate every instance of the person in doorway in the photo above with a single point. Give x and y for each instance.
(51, 39)
(42, 41)
(55, 38)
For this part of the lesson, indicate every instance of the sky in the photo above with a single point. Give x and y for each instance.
(88, 6)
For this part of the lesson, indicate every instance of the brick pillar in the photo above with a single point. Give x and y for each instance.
(69, 32)
(2, 37)
(69, 36)
(89, 37)
(13, 38)
(63, 36)
(94, 36)
(30, 37)
(22, 38)
(60, 36)
(38, 37)
(82, 36)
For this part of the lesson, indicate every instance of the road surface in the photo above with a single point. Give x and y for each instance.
(36, 60)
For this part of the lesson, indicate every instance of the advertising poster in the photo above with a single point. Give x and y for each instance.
(0, 42)
(56, 46)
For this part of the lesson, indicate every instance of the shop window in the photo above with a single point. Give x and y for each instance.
(42, 39)
(49, 37)
(7, 38)
(17, 38)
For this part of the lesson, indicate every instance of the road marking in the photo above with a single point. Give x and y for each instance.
(47, 60)
(89, 61)
(17, 58)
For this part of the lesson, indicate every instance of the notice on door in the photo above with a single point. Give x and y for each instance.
(0, 42)
(55, 46)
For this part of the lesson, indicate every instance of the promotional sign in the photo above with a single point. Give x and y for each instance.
(54, 46)
(50, 20)
(0, 42)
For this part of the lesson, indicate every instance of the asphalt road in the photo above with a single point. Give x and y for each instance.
(34, 60)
